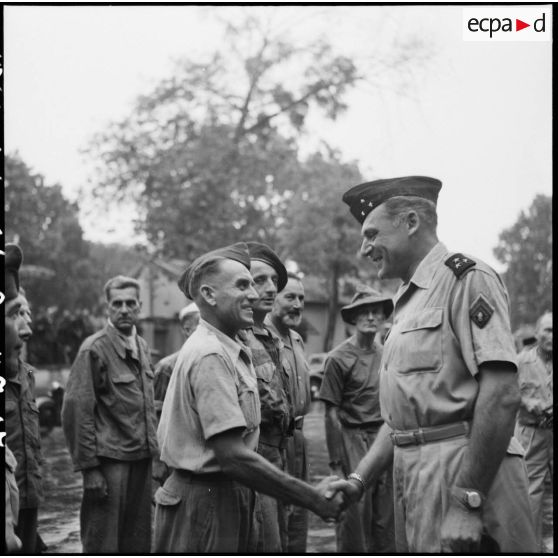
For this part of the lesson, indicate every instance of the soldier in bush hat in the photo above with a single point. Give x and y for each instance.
(350, 390)
(209, 426)
(449, 391)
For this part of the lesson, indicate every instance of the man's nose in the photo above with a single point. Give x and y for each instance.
(366, 248)
(252, 294)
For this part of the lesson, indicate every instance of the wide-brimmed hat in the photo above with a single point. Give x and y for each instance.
(363, 297)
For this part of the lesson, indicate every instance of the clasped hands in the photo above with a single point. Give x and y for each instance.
(337, 495)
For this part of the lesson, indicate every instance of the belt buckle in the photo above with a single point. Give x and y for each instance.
(393, 437)
(418, 437)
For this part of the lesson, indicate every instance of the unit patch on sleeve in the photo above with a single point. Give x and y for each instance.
(459, 264)
(481, 311)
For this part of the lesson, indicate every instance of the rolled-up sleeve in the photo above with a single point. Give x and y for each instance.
(78, 412)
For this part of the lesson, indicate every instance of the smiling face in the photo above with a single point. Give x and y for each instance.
(386, 242)
(13, 322)
(289, 304)
(544, 333)
(369, 318)
(124, 308)
(231, 295)
(265, 280)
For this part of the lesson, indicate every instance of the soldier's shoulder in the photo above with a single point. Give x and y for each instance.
(461, 265)
(94, 340)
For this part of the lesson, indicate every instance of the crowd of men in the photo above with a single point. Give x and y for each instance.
(419, 427)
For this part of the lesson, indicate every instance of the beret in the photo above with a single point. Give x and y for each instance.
(237, 252)
(364, 296)
(12, 262)
(189, 309)
(264, 253)
(365, 197)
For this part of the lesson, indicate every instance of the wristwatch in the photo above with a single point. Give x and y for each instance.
(469, 497)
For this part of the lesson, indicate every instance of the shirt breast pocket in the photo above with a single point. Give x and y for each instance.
(265, 372)
(419, 347)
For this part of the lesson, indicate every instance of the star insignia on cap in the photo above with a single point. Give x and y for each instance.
(481, 311)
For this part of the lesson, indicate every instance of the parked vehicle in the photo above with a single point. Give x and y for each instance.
(316, 363)
(49, 394)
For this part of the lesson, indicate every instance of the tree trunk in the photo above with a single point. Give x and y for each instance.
(332, 308)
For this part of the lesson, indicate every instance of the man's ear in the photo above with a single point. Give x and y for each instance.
(412, 222)
(208, 294)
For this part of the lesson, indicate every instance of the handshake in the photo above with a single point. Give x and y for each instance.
(336, 495)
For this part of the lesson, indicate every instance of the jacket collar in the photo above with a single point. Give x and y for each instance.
(234, 349)
(118, 340)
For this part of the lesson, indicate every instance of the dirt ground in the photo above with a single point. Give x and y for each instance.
(59, 514)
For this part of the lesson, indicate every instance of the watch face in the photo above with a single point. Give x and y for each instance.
(474, 500)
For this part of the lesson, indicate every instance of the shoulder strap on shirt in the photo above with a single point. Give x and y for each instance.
(459, 264)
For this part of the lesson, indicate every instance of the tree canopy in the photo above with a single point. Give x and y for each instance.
(526, 249)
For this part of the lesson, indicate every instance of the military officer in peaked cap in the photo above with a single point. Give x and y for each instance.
(448, 385)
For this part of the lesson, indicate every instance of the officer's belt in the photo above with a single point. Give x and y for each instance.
(430, 434)
(204, 478)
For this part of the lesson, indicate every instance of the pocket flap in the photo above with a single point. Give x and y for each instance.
(427, 319)
(165, 498)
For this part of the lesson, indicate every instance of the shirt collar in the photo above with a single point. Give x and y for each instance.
(425, 270)
(119, 340)
(233, 348)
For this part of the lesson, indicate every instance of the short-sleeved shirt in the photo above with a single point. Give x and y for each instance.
(267, 350)
(351, 382)
(108, 406)
(535, 385)
(212, 390)
(435, 347)
(23, 436)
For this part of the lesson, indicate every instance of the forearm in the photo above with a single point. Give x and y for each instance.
(492, 428)
(252, 470)
(334, 434)
(378, 457)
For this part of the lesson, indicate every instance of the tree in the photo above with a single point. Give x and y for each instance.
(319, 233)
(208, 155)
(526, 249)
(46, 225)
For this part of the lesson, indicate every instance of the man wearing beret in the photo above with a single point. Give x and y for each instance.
(109, 422)
(448, 378)
(12, 348)
(209, 426)
(277, 412)
(350, 390)
(285, 316)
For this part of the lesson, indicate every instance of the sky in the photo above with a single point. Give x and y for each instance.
(476, 115)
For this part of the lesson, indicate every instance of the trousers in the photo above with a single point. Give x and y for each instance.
(121, 522)
(203, 514)
(538, 444)
(423, 475)
(368, 525)
(297, 517)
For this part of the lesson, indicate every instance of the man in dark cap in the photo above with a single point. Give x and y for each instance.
(285, 316)
(448, 380)
(350, 390)
(23, 436)
(12, 348)
(109, 422)
(277, 411)
(209, 426)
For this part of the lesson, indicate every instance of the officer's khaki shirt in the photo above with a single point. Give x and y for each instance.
(434, 349)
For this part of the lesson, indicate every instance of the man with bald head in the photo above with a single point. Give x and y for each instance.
(209, 426)
(535, 419)
(448, 384)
